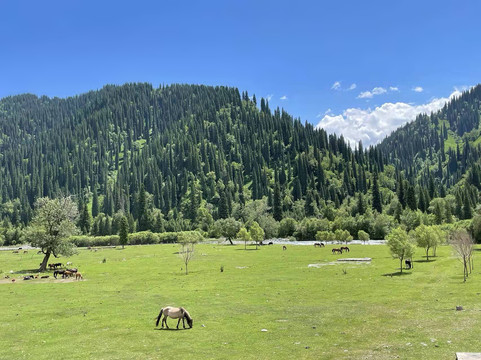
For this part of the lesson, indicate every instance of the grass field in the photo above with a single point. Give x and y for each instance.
(335, 311)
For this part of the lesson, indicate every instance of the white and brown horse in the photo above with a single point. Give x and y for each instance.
(175, 313)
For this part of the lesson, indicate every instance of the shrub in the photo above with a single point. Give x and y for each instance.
(85, 240)
(308, 228)
(287, 227)
(143, 238)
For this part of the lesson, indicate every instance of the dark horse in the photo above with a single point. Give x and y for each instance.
(345, 248)
(339, 251)
(319, 244)
(175, 313)
(58, 272)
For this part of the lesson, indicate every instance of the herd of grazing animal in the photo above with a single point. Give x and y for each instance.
(65, 273)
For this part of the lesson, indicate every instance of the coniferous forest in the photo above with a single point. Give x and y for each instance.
(186, 157)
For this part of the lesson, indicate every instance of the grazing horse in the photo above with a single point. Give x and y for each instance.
(44, 277)
(78, 276)
(270, 243)
(284, 247)
(317, 244)
(72, 270)
(345, 248)
(58, 272)
(408, 263)
(175, 313)
(15, 251)
(339, 251)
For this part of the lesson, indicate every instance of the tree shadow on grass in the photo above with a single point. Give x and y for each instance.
(424, 261)
(398, 273)
(26, 271)
(247, 249)
(171, 329)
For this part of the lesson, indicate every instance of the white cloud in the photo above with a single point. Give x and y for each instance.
(418, 89)
(393, 88)
(372, 125)
(284, 97)
(336, 86)
(352, 87)
(365, 95)
(378, 91)
(321, 114)
(369, 94)
(269, 97)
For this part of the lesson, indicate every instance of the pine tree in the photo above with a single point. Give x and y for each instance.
(376, 196)
(124, 231)
(277, 208)
(144, 223)
(411, 198)
(223, 211)
(467, 212)
(95, 203)
(310, 205)
(361, 205)
(84, 220)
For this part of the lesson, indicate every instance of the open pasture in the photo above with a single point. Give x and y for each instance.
(327, 311)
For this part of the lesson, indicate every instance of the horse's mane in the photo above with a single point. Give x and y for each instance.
(186, 314)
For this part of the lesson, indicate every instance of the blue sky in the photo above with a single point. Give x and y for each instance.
(292, 49)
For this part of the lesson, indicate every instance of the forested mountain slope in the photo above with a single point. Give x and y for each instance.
(177, 140)
(441, 150)
(180, 156)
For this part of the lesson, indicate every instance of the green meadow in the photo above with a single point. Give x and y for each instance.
(332, 311)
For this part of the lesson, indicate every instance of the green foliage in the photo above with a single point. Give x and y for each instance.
(269, 226)
(86, 241)
(189, 237)
(325, 236)
(342, 235)
(124, 231)
(287, 227)
(227, 228)
(256, 233)
(362, 235)
(426, 237)
(400, 245)
(308, 228)
(244, 235)
(51, 227)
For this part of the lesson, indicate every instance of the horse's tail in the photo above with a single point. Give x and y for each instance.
(160, 315)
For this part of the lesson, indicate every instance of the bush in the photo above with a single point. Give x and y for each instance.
(287, 227)
(308, 228)
(143, 238)
(168, 237)
(86, 241)
(138, 238)
(362, 235)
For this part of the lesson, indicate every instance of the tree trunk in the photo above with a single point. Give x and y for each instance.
(43, 265)
(186, 272)
(427, 254)
(230, 240)
(401, 265)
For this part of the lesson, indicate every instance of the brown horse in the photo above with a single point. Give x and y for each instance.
(175, 313)
(338, 251)
(345, 248)
(78, 276)
(284, 247)
(319, 245)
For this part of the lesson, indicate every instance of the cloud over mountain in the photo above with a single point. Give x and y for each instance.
(372, 125)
